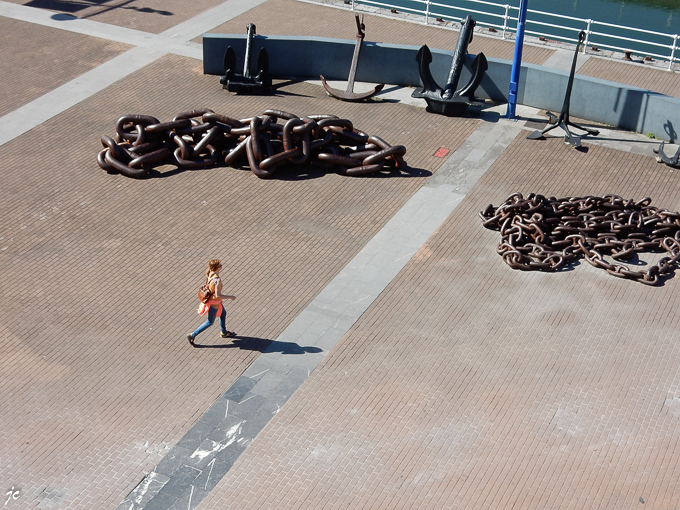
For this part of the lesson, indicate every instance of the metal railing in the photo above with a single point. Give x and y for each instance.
(503, 18)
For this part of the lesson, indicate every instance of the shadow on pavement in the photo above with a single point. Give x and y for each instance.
(261, 344)
(290, 172)
(71, 6)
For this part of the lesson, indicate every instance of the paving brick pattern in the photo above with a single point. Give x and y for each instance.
(46, 59)
(98, 380)
(148, 15)
(469, 385)
(286, 17)
(638, 75)
(465, 384)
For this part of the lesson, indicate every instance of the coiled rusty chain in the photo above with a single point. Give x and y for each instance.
(547, 233)
(201, 138)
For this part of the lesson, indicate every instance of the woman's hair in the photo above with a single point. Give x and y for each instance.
(213, 266)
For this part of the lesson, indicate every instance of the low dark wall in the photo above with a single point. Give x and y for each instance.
(603, 101)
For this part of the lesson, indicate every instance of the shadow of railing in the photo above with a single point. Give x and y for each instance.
(74, 6)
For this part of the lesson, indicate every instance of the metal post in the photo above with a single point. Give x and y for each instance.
(517, 59)
(352, 4)
(505, 20)
(585, 43)
(675, 45)
(427, 12)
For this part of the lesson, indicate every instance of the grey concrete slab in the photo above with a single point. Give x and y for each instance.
(142, 494)
(195, 435)
(288, 365)
(215, 415)
(213, 473)
(562, 59)
(224, 432)
(205, 452)
(211, 18)
(250, 403)
(189, 499)
(255, 423)
(171, 492)
(273, 404)
(172, 461)
(308, 340)
(149, 47)
(161, 43)
(260, 367)
(269, 381)
(36, 112)
(228, 456)
(239, 389)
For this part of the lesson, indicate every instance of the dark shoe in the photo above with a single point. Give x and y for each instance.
(228, 334)
(190, 337)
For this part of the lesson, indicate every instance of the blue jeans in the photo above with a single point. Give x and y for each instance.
(212, 313)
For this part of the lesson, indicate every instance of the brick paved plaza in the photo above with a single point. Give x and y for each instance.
(386, 357)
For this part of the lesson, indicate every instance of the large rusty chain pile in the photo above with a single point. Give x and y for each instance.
(201, 138)
(547, 233)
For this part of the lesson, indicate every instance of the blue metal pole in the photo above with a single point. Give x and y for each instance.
(517, 59)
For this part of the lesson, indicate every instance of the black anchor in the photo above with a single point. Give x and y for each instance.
(563, 120)
(449, 101)
(246, 83)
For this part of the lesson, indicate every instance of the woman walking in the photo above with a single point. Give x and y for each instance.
(214, 305)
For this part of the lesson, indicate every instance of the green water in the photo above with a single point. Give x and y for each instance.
(656, 15)
(661, 16)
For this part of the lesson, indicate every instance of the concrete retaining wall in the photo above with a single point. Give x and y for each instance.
(619, 105)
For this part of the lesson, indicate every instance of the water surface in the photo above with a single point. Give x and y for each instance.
(661, 16)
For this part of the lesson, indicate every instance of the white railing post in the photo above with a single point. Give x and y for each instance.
(585, 42)
(427, 12)
(675, 45)
(505, 19)
(352, 4)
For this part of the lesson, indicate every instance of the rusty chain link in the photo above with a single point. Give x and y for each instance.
(201, 138)
(548, 233)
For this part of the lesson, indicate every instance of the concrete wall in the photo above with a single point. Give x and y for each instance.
(603, 101)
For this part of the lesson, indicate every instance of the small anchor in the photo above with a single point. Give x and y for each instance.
(246, 83)
(563, 120)
(673, 162)
(349, 94)
(449, 101)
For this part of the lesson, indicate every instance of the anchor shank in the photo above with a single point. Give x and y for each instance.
(349, 94)
(464, 38)
(249, 40)
(570, 82)
(353, 68)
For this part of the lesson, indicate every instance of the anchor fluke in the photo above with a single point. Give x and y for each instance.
(349, 96)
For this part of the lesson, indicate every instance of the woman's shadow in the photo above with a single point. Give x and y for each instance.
(250, 343)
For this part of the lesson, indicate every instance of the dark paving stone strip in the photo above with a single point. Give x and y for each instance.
(208, 450)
